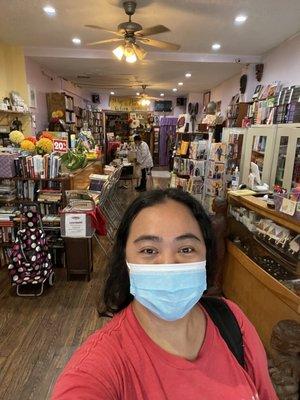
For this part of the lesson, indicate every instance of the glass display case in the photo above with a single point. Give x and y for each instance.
(286, 162)
(259, 149)
(235, 138)
(262, 269)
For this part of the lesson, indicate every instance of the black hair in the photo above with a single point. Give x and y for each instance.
(117, 294)
(137, 138)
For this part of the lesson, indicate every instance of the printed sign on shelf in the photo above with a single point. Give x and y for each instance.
(75, 225)
(60, 145)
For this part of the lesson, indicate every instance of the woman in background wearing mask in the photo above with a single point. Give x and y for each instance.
(161, 344)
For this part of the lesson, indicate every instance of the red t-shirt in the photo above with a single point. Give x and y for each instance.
(120, 361)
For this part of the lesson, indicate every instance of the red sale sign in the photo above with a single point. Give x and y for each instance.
(60, 145)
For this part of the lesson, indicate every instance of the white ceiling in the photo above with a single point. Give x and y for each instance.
(194, 24)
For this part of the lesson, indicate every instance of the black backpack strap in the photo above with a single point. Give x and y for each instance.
(226, 322)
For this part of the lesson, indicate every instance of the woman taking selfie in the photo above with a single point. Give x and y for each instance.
(162, 342)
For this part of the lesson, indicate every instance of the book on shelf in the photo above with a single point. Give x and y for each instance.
(32, 167)
(7, 234)
(49, 195)
(51, 220)
(7, 191)
(26, 190)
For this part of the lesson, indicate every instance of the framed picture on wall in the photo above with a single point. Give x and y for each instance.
(32, 97)
(206, 99)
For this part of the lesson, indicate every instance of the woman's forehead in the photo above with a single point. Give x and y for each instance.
(168, 218)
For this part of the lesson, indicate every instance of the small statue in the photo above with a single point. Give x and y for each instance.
(16, 125)
(220, 229)
(211, 108)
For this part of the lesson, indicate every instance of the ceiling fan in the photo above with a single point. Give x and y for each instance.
(130, 33)
(144, 95)
(144, 98)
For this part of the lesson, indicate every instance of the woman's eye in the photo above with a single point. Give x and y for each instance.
(186, 250)
(148, 251)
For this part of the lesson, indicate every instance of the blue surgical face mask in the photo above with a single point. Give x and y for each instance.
(168, 290)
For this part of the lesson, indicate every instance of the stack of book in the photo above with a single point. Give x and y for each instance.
(97, 181)
(51, 220)
(7, 232)
(7, 191)
(50, 201)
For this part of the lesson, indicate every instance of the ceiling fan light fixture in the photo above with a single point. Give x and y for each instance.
(131, 59)
(145, 102)
(119, 52)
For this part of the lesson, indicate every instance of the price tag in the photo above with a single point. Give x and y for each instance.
(60, 145)
(288, 206)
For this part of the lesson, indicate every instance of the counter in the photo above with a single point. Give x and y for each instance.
(263, 298)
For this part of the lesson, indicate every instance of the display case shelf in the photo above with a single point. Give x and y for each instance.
(259, 206)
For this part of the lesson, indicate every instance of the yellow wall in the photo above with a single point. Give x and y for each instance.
(13, 75)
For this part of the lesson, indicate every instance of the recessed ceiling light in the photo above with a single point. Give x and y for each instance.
(188, 75)
(174, 89)
(162, 94)
(49, 10)
(137, 93)
(216, 46)
(76, 40)
(112, 93)
(241, 18)
(180, 83)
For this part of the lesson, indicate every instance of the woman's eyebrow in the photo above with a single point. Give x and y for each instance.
(147, 237)
(188, 236)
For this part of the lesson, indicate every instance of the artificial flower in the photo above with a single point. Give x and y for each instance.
(57, 114)
(32, 139)
(28, 145)
(16, 137)
(44, 145)
(47, 135)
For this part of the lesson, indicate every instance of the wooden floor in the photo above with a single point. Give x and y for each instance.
(38, 335)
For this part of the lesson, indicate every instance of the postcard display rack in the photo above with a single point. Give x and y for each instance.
(215, 175)
(189, 163)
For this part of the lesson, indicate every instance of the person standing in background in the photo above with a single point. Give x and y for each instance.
(144, 160)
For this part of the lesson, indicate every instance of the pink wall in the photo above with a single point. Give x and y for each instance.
(281, 64)
(43, 82)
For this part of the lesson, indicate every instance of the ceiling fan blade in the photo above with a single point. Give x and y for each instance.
(140, 52)
(160, 44)
(115, 40)
(153, 30)
(103, 29)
